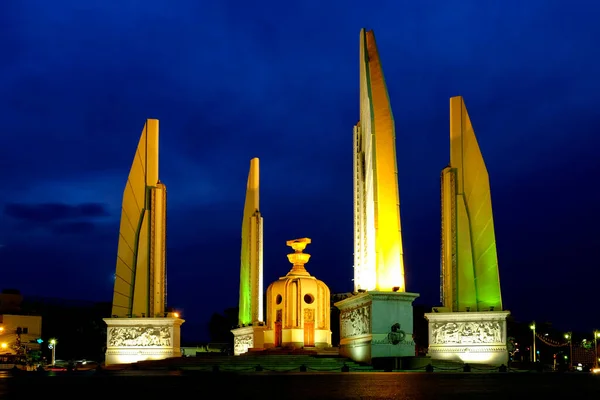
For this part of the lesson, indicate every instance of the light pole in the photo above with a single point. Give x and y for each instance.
(596, 336)
(52, 346)
(569, 337)
(532, 327)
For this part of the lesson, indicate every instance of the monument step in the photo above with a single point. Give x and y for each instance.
(268, 362)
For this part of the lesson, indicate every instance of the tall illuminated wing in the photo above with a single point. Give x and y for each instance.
(140, 277)
(469, 222)
(378, 254)
(251, 259)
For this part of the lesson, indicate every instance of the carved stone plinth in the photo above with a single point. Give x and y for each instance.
(130, 340)
(247, 337)
(470, 337)
(376, 325)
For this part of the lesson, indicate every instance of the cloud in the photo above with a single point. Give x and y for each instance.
(50, 212)
(74, 228)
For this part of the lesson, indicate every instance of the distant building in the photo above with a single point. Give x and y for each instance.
(10, 301)
(19, 332)
(76, 325)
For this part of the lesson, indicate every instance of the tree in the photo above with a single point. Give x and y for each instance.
(220, 326)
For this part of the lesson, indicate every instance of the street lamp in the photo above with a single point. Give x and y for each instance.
(596, 337)
(569, 337)
(52, 346)
(532, 327)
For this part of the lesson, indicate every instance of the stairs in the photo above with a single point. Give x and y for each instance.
(256, 363)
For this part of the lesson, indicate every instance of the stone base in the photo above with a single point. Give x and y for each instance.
(376, 325)
(129, 340)
(469, 337)
(293, 338)
(246, 338)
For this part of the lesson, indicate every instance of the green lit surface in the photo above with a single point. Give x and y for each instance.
(470, 261)
(248, 256)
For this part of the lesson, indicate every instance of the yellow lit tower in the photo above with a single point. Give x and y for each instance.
(140, 328)
(140, 279)
(251, 266)
(470, 278)
(378, 256)
(376, 323)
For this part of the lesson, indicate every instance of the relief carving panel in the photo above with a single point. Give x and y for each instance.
(466, 332)
(139, 336)
(241, 344)
(355, 322)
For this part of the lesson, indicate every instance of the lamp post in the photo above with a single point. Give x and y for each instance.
(532, 327)
(569, 337)
(52, 346)
(596, 336)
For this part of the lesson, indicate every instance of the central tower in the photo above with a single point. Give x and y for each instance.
(376, 322)
(378, 255)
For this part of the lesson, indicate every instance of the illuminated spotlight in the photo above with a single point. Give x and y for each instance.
(596, 370)
(4, 345)
(176, 314)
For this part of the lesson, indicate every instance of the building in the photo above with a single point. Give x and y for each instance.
(19, 333)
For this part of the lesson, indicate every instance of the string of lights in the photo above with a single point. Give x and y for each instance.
(551, 342)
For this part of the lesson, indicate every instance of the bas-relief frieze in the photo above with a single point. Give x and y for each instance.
(355, 322)
(466, 332)
(139, 336)
(241, 344)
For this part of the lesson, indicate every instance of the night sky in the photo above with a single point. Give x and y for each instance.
(232, 80)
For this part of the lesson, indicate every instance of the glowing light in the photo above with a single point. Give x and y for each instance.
(176, 315)
(4, 345)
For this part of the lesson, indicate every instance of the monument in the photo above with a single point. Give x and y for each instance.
(248, 334)
(376, 322)
(140, 328)
(471, 324)
(298, 306)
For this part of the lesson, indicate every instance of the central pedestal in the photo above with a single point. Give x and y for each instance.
(376, 325)
(470, 337)
(129, 340)
(247, 337)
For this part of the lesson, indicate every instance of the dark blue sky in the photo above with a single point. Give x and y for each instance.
(232, 80)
